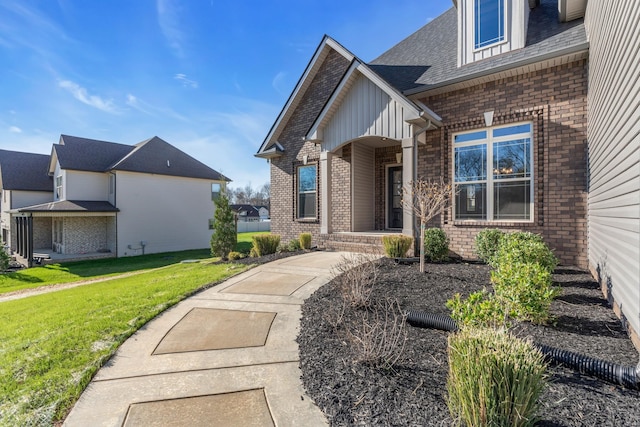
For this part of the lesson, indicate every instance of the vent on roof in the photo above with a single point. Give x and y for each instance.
(168, 164)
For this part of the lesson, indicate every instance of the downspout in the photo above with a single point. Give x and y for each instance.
(115, 205)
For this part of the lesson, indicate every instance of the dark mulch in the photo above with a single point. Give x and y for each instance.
(413, 393)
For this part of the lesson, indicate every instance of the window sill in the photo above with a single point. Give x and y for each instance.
(308, 220)
(478, 223)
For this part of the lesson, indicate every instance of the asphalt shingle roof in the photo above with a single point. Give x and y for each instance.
(428, 57)
(72, 206)
(90, 155)
(25, 171)
(159, 157)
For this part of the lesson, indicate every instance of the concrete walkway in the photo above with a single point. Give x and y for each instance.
(225, 357)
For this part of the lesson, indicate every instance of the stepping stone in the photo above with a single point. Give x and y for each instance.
(244, 408)
(267, 283)
(203, 329)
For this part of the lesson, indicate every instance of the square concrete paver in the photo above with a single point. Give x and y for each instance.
(269, 283)
(204, 329)
(243, 408)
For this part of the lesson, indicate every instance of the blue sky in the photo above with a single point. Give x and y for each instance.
(207, 76)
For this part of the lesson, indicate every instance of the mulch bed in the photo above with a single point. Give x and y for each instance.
(413, 393)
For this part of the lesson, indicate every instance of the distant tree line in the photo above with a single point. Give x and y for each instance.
(248, 195)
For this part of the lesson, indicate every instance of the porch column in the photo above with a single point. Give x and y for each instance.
(325, 192)
(408, 166)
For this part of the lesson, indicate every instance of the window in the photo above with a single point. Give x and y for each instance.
(216, 188)
(489, 22)
(493, 174)
(59, 187)
(307, 191)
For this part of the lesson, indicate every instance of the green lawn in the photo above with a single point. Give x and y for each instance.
(82, 270)
(52, 344)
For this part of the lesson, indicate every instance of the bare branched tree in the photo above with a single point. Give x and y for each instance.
(426, 199)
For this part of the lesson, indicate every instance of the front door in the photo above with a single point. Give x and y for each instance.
(394, 198)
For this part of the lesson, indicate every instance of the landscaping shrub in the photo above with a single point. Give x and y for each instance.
(225, 235)
(305, 240)
(482, 308)
(380, 337)
(436, 244)
(487, 242)
(5, 260)
(265, 244)
(495, 378)
(524, 247)
(233, 255)
(294, 245)
(525, 290)
(356, 275)
(396, 246)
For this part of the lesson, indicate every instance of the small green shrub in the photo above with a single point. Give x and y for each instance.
(436, 244)
(524, 247)
(525, 290)
(225, 235)
(294, 245)
(265, 244)
(305, 240)
(233, 255)
(495, 379)
(480, 309)
(5, 260)
(396, 246)
(487, 243)
(253, 253)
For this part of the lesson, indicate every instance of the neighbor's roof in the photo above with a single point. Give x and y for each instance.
(251, 210)
(24, 171)
(71, 206)
(157, 156)
(153, 156)
(428, 57)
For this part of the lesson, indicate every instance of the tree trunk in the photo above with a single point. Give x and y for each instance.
(422, 227)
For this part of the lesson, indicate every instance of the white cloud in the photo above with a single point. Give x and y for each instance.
(185, 81)
(169, 22)
(145, 107)
(278, 82)
(83, 96)
(15, 129)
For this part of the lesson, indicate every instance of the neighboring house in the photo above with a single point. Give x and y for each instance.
(119, 199)
(250, 213)
(530, 109)
(24, 181)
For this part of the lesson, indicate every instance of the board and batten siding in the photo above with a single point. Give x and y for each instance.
(365, 110)
(614, 152)
(362, 194)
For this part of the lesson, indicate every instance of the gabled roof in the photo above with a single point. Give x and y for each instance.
(24, 171)
(154, 156)
(427, 58)
(89, 155)
(157, 156)
(251, 210)
(71, 206)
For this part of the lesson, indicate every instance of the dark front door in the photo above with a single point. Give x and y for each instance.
(394, 200)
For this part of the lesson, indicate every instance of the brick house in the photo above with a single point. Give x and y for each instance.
(513, 102)
(109, 199)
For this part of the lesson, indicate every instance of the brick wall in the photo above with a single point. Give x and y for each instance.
(42, 233)
(84, 234)
(341, 190)
(555, 100)
(283, 169)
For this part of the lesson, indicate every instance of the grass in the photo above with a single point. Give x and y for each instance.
(245, 241)
(51, 345)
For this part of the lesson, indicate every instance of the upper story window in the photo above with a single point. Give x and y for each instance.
(489, 19)
(216, 190)
(494, 174)
(307, 191)
(59, 187)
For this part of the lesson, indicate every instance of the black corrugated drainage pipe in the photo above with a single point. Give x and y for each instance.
(627, 376)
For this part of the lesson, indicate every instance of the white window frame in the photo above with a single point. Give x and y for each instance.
(59, 187)
(489, 141)
(299, 193)
(505, 32)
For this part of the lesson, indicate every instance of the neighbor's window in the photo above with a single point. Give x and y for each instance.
(307, 193)
(489, 22)
(59, 187)
(216, 188)
(494, 174)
